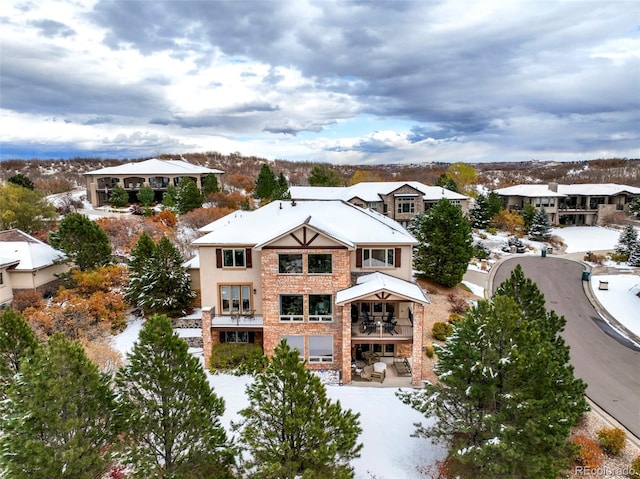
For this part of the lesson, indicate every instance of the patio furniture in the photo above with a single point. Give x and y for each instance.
(390, 327)
(249, 314)
(403, 368)
(379, 371)
(370, 357)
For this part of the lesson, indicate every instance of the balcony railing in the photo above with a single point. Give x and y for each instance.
(402, 330)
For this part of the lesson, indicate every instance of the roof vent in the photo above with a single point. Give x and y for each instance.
(293, 202)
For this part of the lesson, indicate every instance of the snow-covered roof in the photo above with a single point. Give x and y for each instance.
(224, 220)
(371, 191)
(193, 263)
(337, 219)
(31, 252)
(155, 166)
(373, 283)
(587, 189)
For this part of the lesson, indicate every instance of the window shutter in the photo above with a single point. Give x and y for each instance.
(358, 257)
(218, 258)
(248, 258)
(397, 257)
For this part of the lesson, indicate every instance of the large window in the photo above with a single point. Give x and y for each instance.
(235, 298)
(295, 342)
(406, 205)
(378, 258)
(320, 264)
(291, 307)
(236, 336)
(290, 263)
(320, 349)
(320, 307)
(233, 258)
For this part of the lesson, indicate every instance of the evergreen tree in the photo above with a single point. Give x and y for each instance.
(634, 255)
(169, 197)
(17, 342)
(445, 247)
(83, 241)
(188, 197)
(118, 196)
(58, 420)
(291, 429)
(24, 209)
(321, 175)
(281, 191)
(528, 212)
(507, 398)
(265, 183)
(141, 253)
(169, 412)
(146, 195)
(445, 181)
(634, 206)
(21, 180)
(627, 240)
(540, 229)
(159, 283)
(495, 203)
(210, 184)
(480, 215)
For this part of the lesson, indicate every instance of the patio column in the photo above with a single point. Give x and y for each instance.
(206, 335)
(418, 339)
(346, 342)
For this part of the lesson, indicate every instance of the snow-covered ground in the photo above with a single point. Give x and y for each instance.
(387, 424)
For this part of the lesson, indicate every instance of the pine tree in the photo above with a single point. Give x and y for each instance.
(445, 181)
(17, 342)
(540, 228)
(21, 180)
(634, 206)
(169, 412)
(480, 215)
(627, 240)
(445, 247)
(321, 175)
(291, 429)
(169, 197)
(118, 196)
(210, 184)
(634, 256)
(265, 183)
(507, 398)
(160, 284)
(528, 212)
(188, 197)
(141, 253)
(58, 420)
(83, 241)
(146, 195)
(495, 203)
(281, 191)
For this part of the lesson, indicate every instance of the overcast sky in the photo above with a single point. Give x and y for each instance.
(358, 82)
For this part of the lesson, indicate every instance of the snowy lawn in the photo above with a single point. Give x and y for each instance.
(620, 299)
(587, 238)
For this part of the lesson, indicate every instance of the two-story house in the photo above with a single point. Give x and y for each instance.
(579, 204)
(155, 173)
(399, 200)
(313, 272)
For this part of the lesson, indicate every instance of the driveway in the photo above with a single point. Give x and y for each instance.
(606, 361)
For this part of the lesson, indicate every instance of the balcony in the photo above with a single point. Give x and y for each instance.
(235, 320)
(402, 330)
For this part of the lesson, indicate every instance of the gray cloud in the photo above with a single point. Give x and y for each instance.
(51, 28)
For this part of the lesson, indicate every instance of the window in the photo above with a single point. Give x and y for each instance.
(291, 307)
(320, 349)
(295, 342)
(233, 258)
(378, 258)
(1, 279)
(236, 336)
(320, 264)
(290, 263)
(320, 307)
(235, 298)
(406, 205)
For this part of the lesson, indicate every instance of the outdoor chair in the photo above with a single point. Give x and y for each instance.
(390, 327)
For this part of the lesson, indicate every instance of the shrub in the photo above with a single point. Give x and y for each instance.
(237, 358)
(23, 299)
(594, 258)
(612, 440)
(455, 317)
(458, 305)
(619, 257)
(589, 454)
(428, 350)
(635, 468)
(441, 330)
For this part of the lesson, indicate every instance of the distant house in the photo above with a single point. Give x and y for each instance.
(580, 204)
(27, 263)
(399, 200)
(312, 272)
(158, 174)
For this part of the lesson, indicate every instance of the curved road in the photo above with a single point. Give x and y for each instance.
(607, 362)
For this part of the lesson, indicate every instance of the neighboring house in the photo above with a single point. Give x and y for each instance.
(310, 271)
(399, 200)
(27, 263)
(158, 174)
(580, 204)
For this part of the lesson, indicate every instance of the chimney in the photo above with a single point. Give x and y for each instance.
(553, 186)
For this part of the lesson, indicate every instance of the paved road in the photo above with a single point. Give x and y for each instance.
(607, 362)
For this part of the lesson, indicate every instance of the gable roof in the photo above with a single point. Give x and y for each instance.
(156, 167)
(369, 284)
(370, 191)
(30, 252)
(342, 221)
(586, 189)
